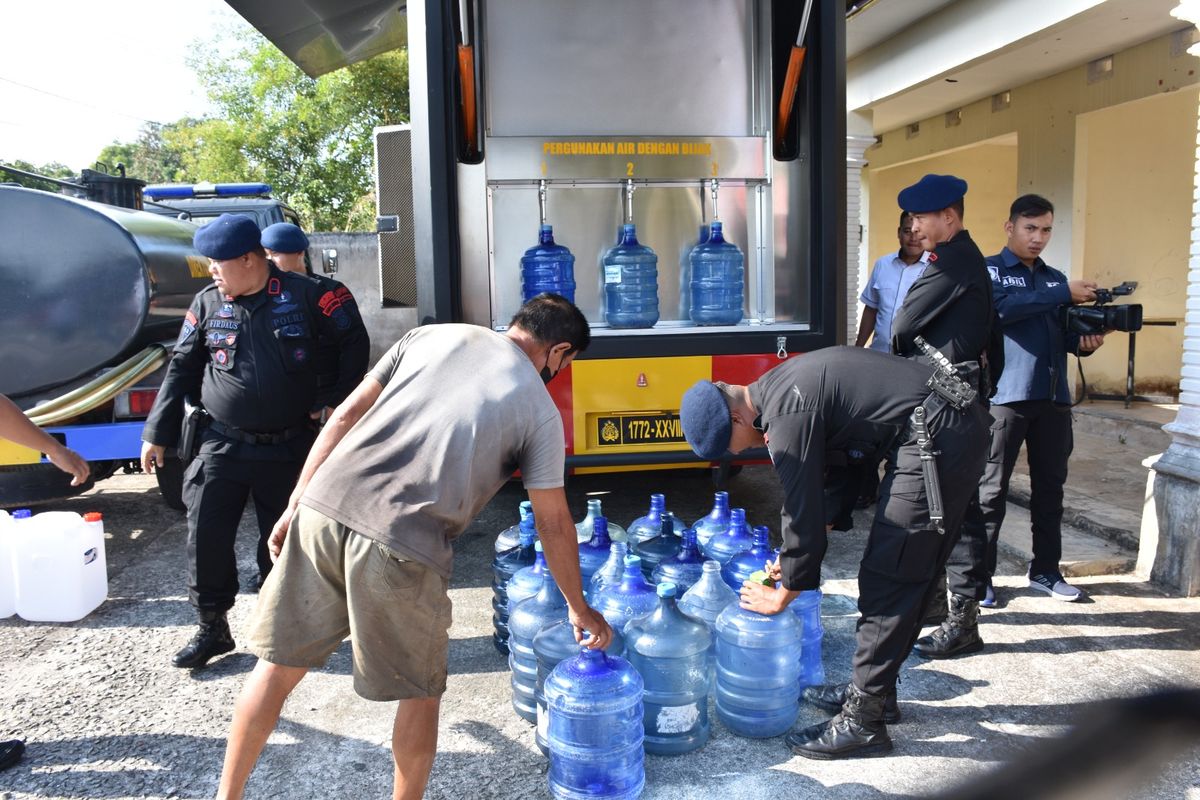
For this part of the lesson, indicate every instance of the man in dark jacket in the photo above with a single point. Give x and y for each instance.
(831, 406)
(246, 351)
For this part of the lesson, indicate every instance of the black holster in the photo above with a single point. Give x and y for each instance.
(194, 420)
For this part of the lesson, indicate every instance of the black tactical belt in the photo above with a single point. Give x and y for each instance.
(273, 437)
(947, 389)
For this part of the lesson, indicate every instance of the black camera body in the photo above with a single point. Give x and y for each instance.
(1100, 317)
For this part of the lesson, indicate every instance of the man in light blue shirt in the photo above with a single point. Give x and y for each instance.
(891, 278)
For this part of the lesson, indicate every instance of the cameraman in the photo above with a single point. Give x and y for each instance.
(1032, 406)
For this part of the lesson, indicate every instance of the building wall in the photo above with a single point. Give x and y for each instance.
(1132, 221)
(1066, 126)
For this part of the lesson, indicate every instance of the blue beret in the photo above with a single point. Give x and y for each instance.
(932, 193)
(705, 419)
(284, 237)
(228, 236)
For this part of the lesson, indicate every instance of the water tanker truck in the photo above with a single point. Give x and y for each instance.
(94, 297)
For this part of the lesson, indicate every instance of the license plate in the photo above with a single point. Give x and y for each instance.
(617, 430)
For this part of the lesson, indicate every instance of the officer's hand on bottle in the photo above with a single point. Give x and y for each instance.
(1082, 291)
(767, 600)
(153, 457)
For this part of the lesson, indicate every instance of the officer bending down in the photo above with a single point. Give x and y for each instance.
(809, 413)
(246, 349)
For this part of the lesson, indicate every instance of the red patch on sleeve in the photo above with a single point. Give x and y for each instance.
(189, 317)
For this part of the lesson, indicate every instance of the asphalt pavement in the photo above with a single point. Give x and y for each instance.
(106, 715)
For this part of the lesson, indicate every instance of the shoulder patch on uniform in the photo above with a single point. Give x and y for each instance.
(994, 272)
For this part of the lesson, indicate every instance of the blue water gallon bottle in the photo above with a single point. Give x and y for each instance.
(669, 650)
(510, 537)
(735, 539)
(685, 273)
(583, 528)
(807, 608)
(739, 568)
(547, 267)
(716, 521)
(718, 278)
(526, 581)
(630, 283)
(649, 524)
(504, 566)
(707, 598)
(552, 644)
(758, 671)
(594, 728)
(684, 568)
(527, 619)
(655, 550)
(595, 551)
(612, 570)
(629, 599)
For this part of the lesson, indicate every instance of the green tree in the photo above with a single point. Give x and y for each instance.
(54, 169)
(310, 139)
(155, 156)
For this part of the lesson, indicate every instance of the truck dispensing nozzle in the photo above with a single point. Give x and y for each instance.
(629, 201)
(542, 199)
(715, 188)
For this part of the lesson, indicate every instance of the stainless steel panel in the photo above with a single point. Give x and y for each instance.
(473, 243)
(621, 157)
(394, 196)
(618, 67)
(588, 219)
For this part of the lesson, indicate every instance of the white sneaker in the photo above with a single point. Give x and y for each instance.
(1052, 583)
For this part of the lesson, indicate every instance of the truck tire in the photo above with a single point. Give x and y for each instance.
(33, 484)
(170, 482)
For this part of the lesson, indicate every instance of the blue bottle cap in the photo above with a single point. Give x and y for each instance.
(666, 589)
(22, 513)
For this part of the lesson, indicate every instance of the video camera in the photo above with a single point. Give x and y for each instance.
(1100, 317)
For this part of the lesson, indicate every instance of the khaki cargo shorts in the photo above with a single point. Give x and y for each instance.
(331, 582)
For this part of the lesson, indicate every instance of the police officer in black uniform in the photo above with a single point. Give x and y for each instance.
(246, 350)
(286, 246)
(811, 413)
(952, 308)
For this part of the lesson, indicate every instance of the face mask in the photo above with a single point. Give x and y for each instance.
(545, 372)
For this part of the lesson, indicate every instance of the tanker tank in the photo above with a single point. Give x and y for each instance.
(86, 284)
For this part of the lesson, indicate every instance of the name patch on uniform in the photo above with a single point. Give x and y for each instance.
(225, 324)
(1012, 280)
(284, 320)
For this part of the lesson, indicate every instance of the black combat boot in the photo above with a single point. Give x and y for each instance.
(958, 635)
(211, 640)
(832, 698)
(936, 609)
(857, 730)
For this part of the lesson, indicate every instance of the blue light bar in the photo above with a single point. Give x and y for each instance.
(165, 191)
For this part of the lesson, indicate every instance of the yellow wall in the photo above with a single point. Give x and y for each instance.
(1090, 148)
(1132, 221)
(990, 171)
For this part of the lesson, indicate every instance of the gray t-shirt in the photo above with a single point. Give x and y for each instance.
(462, 407)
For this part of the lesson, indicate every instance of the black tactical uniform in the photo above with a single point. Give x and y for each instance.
(328, 353)
(252, 362)
(842, 404)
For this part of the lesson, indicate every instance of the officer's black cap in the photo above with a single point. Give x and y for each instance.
(932, 193)
(284, 237)
(704, 416)
(228, 236)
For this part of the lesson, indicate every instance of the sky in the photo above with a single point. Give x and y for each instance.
(75, 75)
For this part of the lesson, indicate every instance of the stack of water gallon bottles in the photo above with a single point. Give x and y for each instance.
(670, 593)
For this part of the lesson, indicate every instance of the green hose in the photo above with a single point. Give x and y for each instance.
(101, 390)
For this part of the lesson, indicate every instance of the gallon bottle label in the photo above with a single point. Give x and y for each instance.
(89, 555)
(543, 721)
(612, 273)
(678, 719)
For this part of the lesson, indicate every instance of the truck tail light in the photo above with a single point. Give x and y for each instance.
(135, 403)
